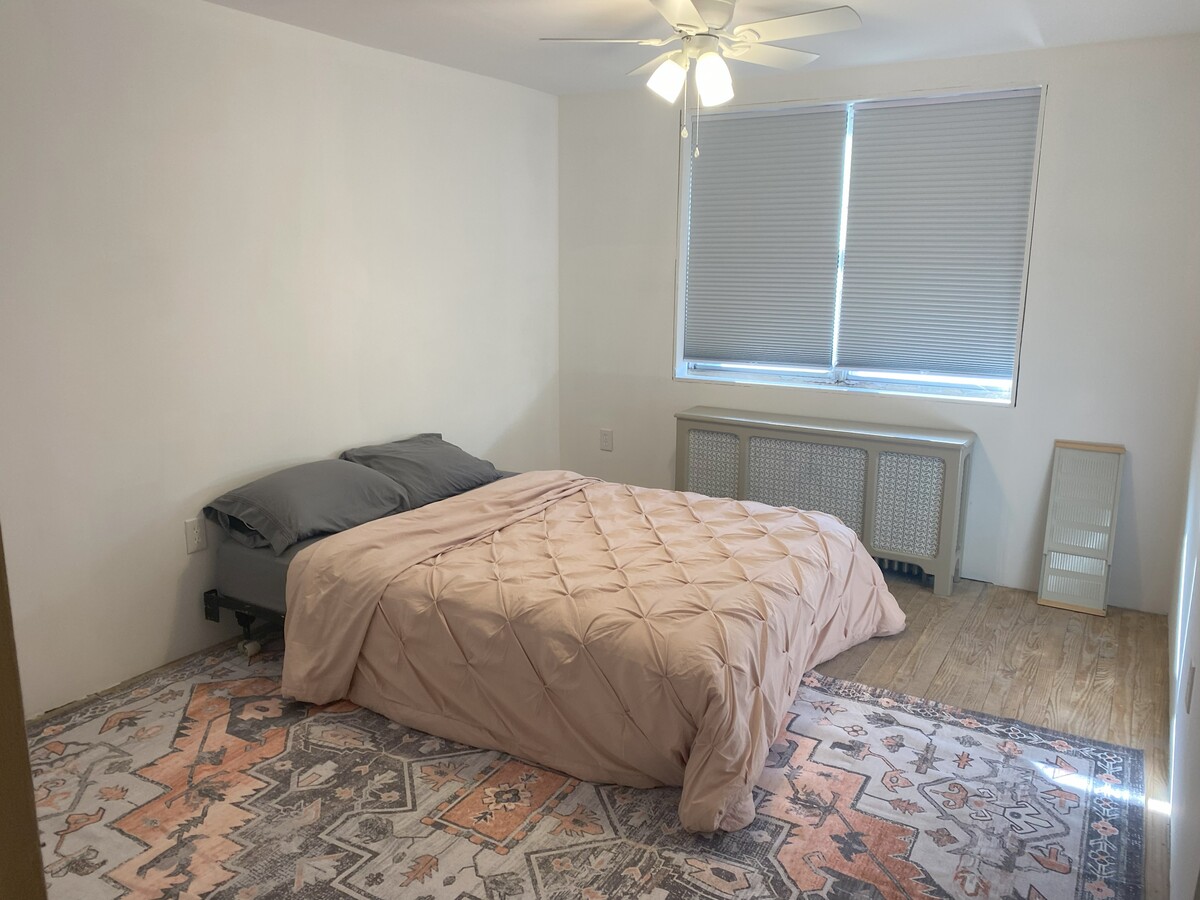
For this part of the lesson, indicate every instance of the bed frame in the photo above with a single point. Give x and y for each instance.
(246, 613)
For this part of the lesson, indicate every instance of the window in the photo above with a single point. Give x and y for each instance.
(875, 245)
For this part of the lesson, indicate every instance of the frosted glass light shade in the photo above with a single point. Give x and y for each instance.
(713, 80)
(667, 80)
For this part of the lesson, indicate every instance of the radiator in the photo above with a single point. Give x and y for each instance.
(902, 490)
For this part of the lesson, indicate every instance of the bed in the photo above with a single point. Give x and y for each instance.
(617, 633)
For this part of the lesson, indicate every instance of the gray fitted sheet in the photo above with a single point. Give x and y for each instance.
(255, 574)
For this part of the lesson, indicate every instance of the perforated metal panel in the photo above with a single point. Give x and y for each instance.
(713, 463)
(825, 477)
(902, 490)
(908, 503)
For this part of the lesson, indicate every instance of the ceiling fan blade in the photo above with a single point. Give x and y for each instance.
(645, 68)
(645, 42)
(822, 21)
(766, 55)
(680, 14)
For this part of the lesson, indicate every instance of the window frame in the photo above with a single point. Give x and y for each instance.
(842, 379)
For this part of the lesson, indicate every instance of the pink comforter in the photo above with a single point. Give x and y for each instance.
(617, 633)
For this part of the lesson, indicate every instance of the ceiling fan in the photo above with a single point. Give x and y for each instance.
(702, 26)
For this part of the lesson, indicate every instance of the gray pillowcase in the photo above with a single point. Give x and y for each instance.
(425, 467)
(321, 497)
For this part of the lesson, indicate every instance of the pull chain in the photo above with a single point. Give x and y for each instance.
(696, 152)
(683, 131)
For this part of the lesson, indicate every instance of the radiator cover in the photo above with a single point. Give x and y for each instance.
(902, 490)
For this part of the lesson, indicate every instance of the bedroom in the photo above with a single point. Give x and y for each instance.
(232, 245)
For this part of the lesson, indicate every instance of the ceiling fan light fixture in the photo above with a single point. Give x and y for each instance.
(667, 80)
(713, 80)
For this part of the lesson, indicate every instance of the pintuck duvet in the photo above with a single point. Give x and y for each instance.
(617, 633)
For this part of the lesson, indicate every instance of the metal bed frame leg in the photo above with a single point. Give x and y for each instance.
(245, 620)
(248, 645)
(251, 642)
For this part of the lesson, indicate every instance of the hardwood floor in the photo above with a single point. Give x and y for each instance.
(994, 650)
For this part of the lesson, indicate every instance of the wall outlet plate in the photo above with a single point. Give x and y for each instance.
(195, 536)
(606, 439)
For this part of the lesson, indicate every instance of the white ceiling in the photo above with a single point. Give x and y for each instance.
(499, 37)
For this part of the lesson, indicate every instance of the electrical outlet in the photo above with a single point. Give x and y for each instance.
(606, 439)
(194, 535)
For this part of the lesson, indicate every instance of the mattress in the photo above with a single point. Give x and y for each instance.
(255, 574)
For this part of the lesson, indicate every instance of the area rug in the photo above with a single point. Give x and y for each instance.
(201, 781)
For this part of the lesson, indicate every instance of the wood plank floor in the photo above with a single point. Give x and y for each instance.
(994, 650)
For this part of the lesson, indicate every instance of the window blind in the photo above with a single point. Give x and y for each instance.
(762, 238)
(937, 227)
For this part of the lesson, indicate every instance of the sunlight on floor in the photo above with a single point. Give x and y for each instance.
(1158, 807)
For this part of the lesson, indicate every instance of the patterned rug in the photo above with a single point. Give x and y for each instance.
(200, 781)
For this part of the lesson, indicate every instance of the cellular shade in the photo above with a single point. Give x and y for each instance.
(936, 237)
(762, 239)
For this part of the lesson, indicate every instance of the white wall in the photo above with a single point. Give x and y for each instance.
(227, 245)
(1185, 726)
(1111, 324)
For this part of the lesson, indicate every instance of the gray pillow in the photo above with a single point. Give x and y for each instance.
(425, 467)
(321, 497)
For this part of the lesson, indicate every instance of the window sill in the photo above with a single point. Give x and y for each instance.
(951, 393)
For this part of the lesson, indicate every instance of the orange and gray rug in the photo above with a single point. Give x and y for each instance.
(201, 781)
